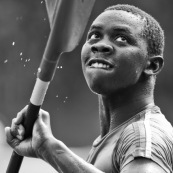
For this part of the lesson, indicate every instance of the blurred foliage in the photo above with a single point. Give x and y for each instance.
(73, 108)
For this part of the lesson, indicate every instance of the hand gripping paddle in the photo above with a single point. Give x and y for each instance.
(68, 19)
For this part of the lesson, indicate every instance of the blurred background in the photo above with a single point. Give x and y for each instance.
(24, 30)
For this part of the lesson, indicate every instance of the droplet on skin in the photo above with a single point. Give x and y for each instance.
(21, 53)
(13, 43)
(60, 66)
(56, 95)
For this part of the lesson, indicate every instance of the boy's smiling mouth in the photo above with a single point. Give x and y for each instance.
(99, 63)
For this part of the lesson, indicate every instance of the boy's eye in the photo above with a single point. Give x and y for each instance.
(121, 39)
(93, 36)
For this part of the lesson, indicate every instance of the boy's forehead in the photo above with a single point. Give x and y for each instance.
(119, 17)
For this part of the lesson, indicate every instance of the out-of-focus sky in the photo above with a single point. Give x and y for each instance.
(24, 30)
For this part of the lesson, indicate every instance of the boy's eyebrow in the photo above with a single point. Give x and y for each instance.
(124, 29)
(96, 27)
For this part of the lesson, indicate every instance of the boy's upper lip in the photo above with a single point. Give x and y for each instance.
(99, 60)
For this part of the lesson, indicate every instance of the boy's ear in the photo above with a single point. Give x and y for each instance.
(154, 65)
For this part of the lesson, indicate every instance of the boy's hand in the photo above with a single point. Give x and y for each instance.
(40, 134)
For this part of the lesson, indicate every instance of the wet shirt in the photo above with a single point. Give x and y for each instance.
(147, 134)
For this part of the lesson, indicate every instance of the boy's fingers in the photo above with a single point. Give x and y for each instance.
(19, 118)
(14, 128)
(17, 131)
(21, 132)
(20, 115)
(11, 140)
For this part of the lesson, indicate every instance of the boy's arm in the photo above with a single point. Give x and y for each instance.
(64, 160)
(42, 144)
(59, 156)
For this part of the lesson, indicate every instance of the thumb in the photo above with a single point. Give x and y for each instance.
(44, 117)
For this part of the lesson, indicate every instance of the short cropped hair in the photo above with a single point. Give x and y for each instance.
(152, 31)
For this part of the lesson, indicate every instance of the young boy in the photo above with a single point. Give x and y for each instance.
(122, 55)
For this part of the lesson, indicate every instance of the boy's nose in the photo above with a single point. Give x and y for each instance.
(102, 48)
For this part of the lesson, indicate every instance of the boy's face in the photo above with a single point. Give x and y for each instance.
(115, 54)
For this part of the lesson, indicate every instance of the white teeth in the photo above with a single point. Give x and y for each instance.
(100, 65)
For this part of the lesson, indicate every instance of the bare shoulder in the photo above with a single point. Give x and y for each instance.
(142, 165)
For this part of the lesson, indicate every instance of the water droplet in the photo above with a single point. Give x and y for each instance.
(19, 18)
(21, 53)
(60, 66)
(6, 61)
(13, 43)
(39, 70)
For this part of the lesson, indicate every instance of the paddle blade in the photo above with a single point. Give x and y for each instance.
(68, 19)
(51, 6)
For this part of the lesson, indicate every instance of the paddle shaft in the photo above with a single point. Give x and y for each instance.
(54, 47)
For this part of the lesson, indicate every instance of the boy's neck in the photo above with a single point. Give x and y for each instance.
(118, 108)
